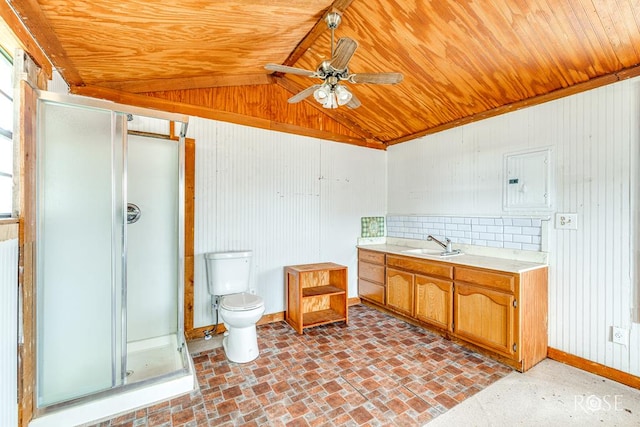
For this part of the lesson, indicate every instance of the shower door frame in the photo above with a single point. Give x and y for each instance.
(121, 110)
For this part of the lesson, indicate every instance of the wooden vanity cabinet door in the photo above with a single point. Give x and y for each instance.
(400, 289)
(434, 301)
(485, 317)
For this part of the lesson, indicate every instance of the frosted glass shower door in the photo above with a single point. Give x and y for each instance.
(80, 226)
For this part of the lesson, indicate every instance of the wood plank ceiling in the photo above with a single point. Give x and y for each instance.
(461, 60)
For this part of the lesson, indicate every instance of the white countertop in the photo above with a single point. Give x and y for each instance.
(471, 260)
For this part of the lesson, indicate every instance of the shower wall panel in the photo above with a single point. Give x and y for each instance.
(152, 241)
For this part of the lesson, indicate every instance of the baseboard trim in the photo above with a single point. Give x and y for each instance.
(594, 367)
(196, 333)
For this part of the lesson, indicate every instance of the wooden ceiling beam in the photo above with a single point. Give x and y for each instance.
(334, 114)
(24, 39)
(210, 113)
(338, 6)
(33, 19)
(184, 83)
(529, 102)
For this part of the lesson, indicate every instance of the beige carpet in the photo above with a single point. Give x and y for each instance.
(550, 394)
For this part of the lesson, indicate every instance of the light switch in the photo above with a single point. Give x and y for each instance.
(567, 221)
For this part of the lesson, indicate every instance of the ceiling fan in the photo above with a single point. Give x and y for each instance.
(331, 93)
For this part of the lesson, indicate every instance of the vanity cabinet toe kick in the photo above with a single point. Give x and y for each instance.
(503, 314)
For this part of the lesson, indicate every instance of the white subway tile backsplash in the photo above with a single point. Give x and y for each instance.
(521, 238)
(512, 230)
(511, 245)
(511, 233)
(479, 228)
(487, 236)
(495, 229)
(531, 231)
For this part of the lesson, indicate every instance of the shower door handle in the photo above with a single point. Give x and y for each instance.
(133, 213)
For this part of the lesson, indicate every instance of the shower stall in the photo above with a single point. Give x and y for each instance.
(110, 245)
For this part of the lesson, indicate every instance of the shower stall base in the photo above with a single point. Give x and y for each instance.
(144, 387)
(152, 357)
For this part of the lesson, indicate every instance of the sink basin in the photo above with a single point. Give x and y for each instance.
(422, 251)
(432, 252)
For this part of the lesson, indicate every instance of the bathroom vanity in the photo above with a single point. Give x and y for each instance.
(495, 305)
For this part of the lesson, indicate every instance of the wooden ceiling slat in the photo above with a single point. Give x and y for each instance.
(576, 65)
(560, 93)
(214, 114)
(626, 23)
(602, 49)
(460, 60)
(32, 17)
(320, 27)
(141, 86)
(24, 38)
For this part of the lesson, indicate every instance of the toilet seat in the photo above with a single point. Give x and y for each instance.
(241, 302)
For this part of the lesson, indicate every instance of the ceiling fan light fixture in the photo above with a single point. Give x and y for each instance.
(343, 94)
(331, 101)
(322, 93)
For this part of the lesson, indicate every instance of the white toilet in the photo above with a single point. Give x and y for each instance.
(228, 278)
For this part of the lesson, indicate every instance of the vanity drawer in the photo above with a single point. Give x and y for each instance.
(488, 278)
(371, 256)
(431, 268)
(371, 291)
(371, 272)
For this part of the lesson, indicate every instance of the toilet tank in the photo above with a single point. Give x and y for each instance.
(228, 272)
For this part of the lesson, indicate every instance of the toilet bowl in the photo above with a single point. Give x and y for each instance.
(239, 313)
(228, 279)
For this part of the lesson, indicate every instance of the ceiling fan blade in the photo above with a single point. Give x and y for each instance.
(376, 78)
(345, 48)
(291, 70)
(354, 102)
(303, 94)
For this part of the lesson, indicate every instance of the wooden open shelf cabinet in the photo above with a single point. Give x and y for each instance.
(316, 295)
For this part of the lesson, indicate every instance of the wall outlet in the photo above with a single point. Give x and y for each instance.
(620, 335)
(567, 221)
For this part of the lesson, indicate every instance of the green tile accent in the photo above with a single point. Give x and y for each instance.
(372, 226)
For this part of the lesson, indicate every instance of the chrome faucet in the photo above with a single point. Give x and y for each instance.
(446, 246)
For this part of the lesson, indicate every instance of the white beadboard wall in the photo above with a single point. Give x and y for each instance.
(9, 328)
(290, 199)
(595, 140)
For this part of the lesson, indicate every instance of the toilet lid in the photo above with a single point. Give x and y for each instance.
(241, 302)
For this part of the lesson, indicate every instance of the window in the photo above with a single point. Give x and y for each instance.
(6, 135)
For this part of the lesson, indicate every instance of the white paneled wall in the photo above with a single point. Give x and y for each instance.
(290, 199)
(595, 139)
(9, 328)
